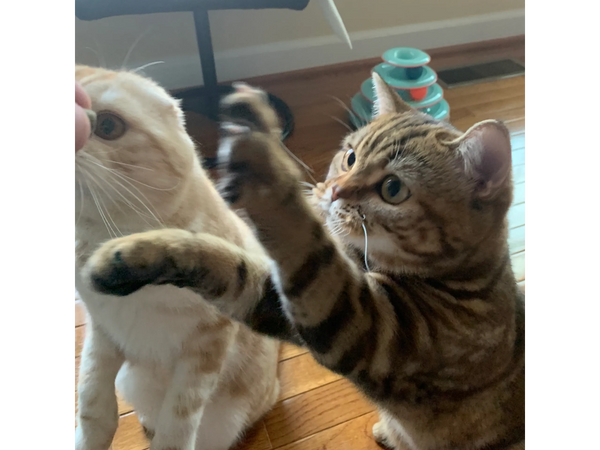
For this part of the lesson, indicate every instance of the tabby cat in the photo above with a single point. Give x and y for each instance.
(196, 379)
(429, 324)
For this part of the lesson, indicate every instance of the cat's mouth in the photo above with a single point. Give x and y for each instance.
(341, 218)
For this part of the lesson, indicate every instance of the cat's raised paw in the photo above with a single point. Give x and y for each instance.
(249, 107)
(380, 436)
(124, 265)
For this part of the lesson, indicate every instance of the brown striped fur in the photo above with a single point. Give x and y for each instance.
(434, 332)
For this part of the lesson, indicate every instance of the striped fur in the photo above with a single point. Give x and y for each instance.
(434, 332)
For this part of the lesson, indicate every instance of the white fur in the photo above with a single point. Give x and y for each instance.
(153, 339)
(136, 342)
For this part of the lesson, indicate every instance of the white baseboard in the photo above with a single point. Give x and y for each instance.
(313, 52)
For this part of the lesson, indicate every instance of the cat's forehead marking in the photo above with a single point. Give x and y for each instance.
(110, 96)
(143, 93)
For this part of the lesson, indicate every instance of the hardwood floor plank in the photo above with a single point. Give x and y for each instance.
(288, 351)
(79, 337)
(130, 435)
(516, 215)
(80, 317)
(487, 97)
(354, 434)
(75, 373)
(517, 84)
(517, 141)
(256, 438)
(301, 374)
(492, 108)
(524, 286)
(518, 239)
(514, 119)
(519, 173)
(520, 265)
(314, 411)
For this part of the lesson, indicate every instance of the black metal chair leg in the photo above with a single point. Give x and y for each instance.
(207, 58)
(205, 100)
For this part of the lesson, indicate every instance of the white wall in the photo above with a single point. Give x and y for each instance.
(250, 43)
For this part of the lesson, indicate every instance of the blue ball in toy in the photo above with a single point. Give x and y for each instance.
(414, 73)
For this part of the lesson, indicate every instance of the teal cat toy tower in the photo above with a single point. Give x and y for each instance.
(406, 70)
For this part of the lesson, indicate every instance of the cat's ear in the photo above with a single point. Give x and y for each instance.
(485, 154)
(176, 106)
(387, 100)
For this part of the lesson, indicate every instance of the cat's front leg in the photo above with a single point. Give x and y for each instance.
(194, 381)
(237, 282)
(97, 410)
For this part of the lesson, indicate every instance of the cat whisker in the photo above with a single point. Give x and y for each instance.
(308, 170)
(362, 121)
(103, 205)
(341, 122)
(99, 164)
(103, 187)
(145, 66)
(81, 196)
(135, 43)
(152, 215)
(350, 111)
(108, 215)
(342, 104)
(101, 57)
(128, 165)
(139, 212)
(307, 184)
(101, 61)
(113, 175)
(99, 207)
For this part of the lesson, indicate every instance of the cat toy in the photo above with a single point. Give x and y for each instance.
(91, 115)
(406, 70)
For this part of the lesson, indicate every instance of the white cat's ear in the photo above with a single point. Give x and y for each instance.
(387, 100)
(485, 154)
(179, 112)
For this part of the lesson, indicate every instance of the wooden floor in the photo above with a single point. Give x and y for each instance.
(317, 410)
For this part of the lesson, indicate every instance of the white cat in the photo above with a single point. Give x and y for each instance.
(196, 379)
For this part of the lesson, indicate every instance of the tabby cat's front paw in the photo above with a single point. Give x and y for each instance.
(381, 437)
(122, 266)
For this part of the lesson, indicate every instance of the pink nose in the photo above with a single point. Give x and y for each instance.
(338, 192)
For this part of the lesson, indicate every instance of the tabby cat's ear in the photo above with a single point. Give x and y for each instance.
(387, 101)
(485, 154)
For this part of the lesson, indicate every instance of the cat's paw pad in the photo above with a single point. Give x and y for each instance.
(122, 266)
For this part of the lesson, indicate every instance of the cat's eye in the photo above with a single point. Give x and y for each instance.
(109, 126)
(349, 159)
(393, 190)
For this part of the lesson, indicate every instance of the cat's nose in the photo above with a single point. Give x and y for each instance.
(338, 192)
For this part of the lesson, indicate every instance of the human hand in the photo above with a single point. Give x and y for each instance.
(82, 122)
